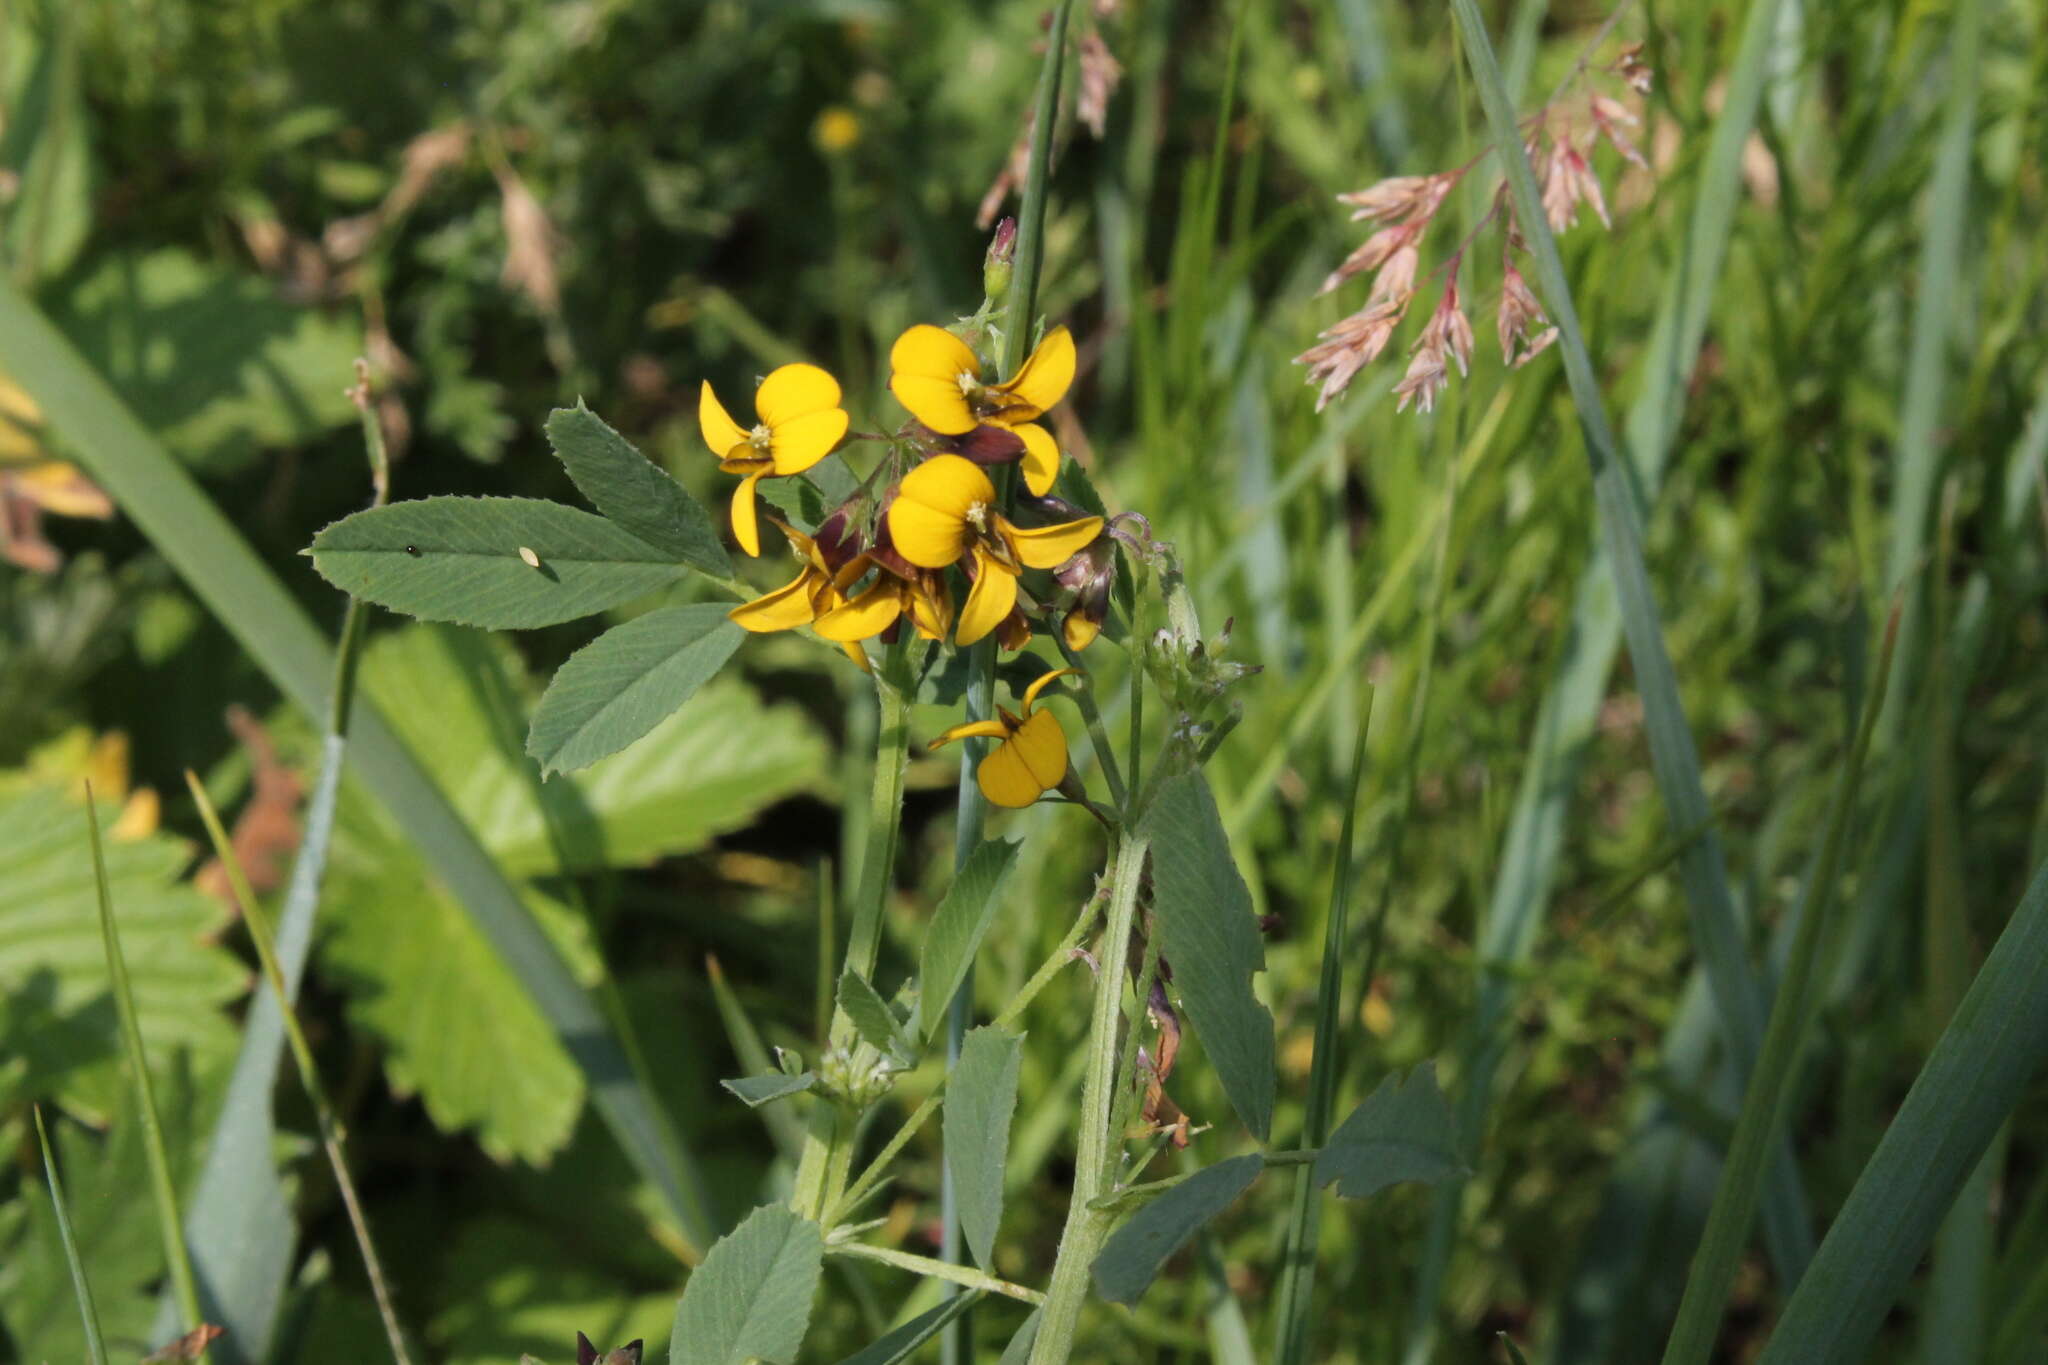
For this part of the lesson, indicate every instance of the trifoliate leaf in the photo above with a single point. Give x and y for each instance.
(626, 681)
(751, 1298)
(634, 492)
(957, 927)
(1404, 1130)
(1208, 932)
(1134, 1256)
(980, 1099)
(499, 563)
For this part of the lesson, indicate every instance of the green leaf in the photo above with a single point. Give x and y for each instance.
(634, 492)
(874, 1020)
(229, 368)
(1403, 1131)
(1134, 1256)
(957, 927)
(752, 1296)
(49, 140)
(463, 560)
(212, 556)
(53, 966)
(1977, 1074)
(1208, 932)
(1019, 1349)
(755, 1091)
(424, 980)
(627, 681)
(901, 1343)
(500, 1301)
(980, 1098)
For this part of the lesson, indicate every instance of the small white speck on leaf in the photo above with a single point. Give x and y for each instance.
(532, 560)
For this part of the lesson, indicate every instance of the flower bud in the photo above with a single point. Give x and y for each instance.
(995, 267)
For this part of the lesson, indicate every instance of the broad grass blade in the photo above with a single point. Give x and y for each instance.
(1975, 1077)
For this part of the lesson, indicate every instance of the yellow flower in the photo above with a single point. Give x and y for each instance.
(923, 597)
(800, 422)
(1032, 758)
(936, 375)
(945, 511)
(816, 591)
(837, 129)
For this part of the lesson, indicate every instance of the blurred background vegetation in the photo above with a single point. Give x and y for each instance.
(508, 204)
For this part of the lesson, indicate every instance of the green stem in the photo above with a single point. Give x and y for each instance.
(942, 1270)
(1086, 1227)
(1012, 1012)
(821, 1170)
(1098, 733)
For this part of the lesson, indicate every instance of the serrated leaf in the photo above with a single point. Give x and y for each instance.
(634, 492)
(1134, 1256)
(981, 1096)
(1208, 932)
(53, 969)
(799, 502)
(874, 1020)
(457, 1027)
(231, 367)
(1404, 1130)
(755, 1091)
(957, 928)
(752, 1295)
(500, 1300)
(627, 681)
(900, 1344)
(462, 560)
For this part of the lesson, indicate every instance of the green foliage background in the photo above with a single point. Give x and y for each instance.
(214, 205)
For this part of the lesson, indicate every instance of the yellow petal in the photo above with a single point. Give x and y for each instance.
(720, 432)
(801, 443)
(1042, 744)
(745, 530)
(1079, 630)
(984, 729)
(1046, 376)
(938, 403)
(933, 353)
(859, 657)
(866, 615)
(925, 368)
(928, 520)
(60, 488)
(988, 601)
(1006, 780)
(1047, 547)
(788, 607)
(1044, 681)
(931, 608)
(1041, 458)
(793, 391)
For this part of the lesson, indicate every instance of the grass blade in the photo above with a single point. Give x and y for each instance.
(96, 1349)
(1767, 1099)
(237, 1226)
(302, 1056)
(1570, 709)
(162, 1189)
(1935, 318)
(1976, 1075)
(206, 549)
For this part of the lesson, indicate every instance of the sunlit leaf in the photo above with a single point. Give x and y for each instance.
(980, 1099)
(957, 927)
(633, 492)
(752, 1295)
(499, 563)
(626, 681)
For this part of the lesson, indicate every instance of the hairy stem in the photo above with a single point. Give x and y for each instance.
(1087, 1227)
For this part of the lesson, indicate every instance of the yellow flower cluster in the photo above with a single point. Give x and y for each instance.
(878, 560)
